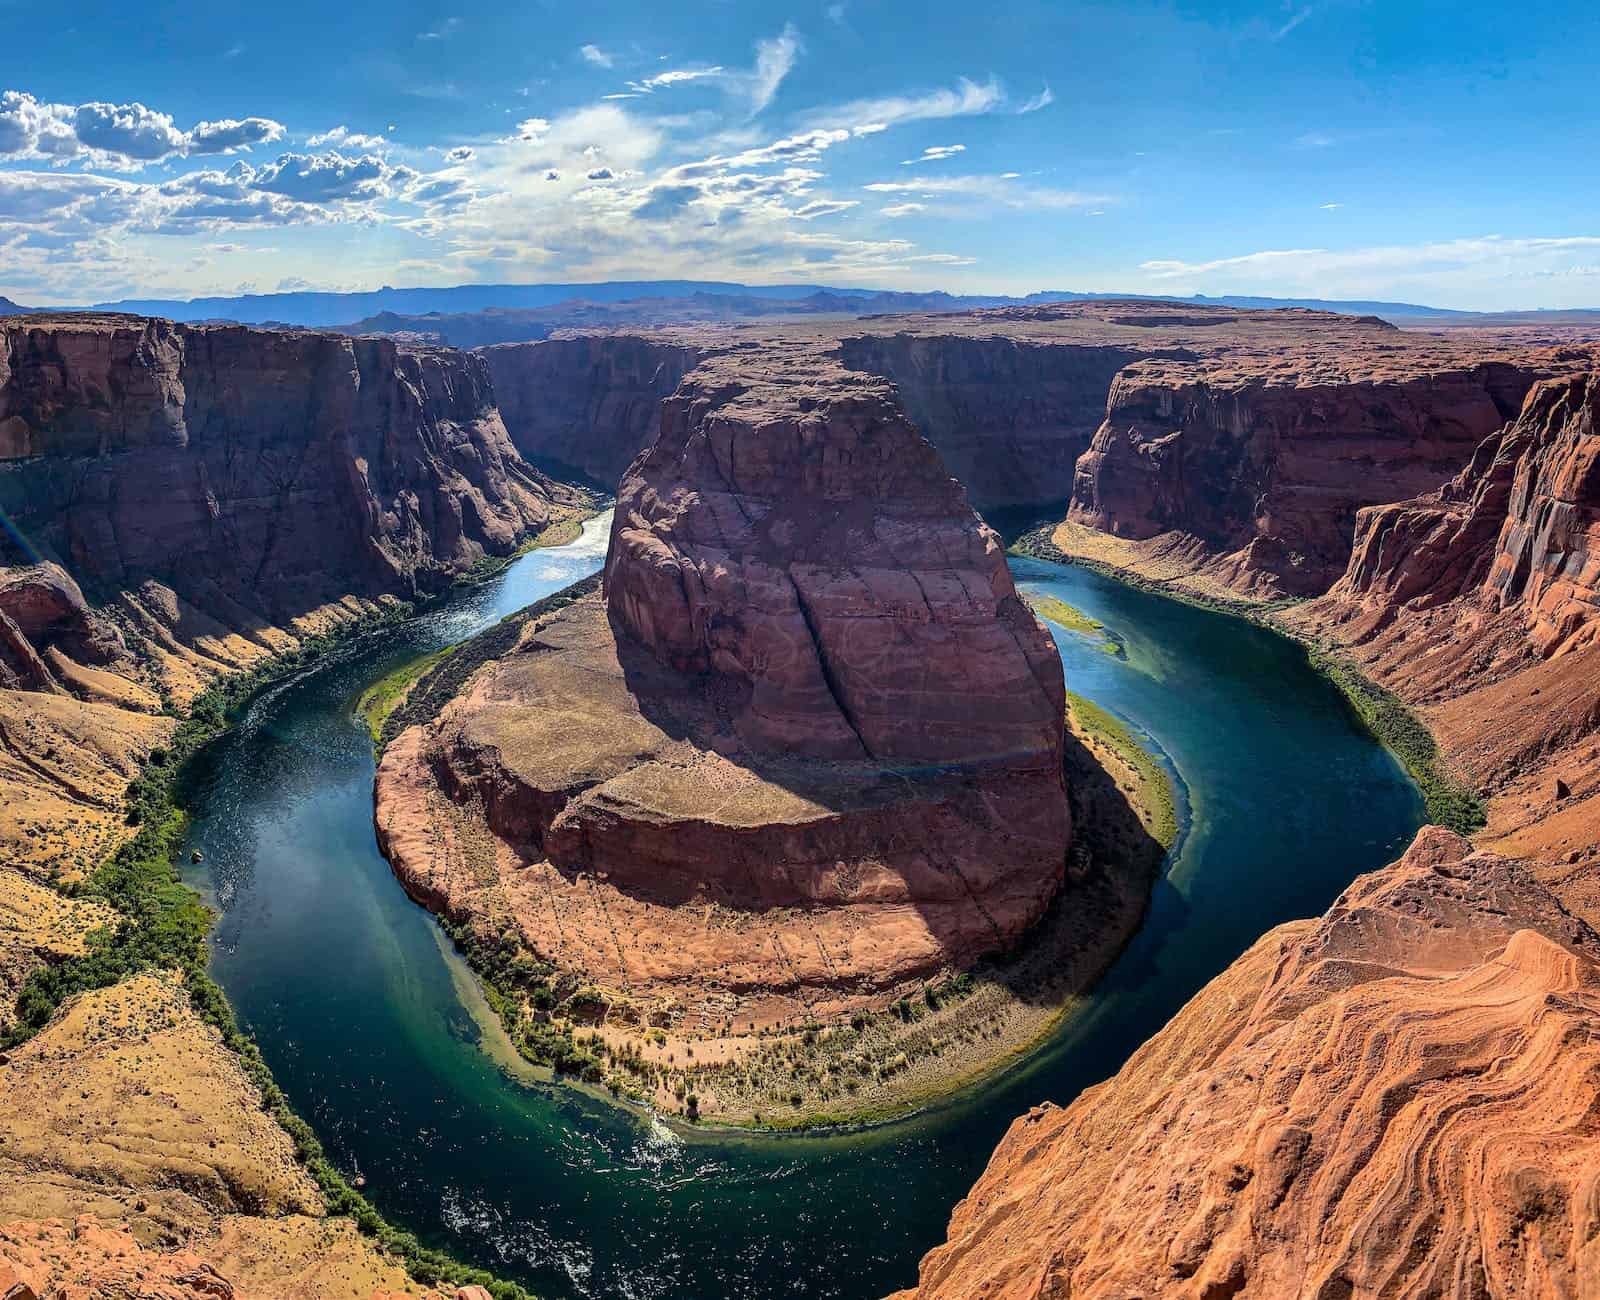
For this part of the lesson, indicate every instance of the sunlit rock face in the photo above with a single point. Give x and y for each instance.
(1393, 1100)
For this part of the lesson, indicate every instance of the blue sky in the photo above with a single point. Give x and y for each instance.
(1427, 151)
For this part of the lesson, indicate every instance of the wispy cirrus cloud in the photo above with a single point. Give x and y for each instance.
(1043, 99)
(934, 152)
(593, 54)
(1004, 190)
(864, 116)
(1380, 267)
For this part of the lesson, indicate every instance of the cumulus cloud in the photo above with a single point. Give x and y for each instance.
(460, 154)
(342, 137)
(595, 55)
(123, 137)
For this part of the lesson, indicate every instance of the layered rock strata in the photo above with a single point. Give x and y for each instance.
(220, 494)
(804, 754)
(277, 471)
(1477, 602)
(1013, 397)
(1266, 467)
(1393, 1100)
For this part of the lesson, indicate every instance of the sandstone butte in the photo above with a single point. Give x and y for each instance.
(181, 503)
(802, 756)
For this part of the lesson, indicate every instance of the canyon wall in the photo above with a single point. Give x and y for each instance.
(278, 470)
(1009, 416)
(1395, 1099)
(1477, 603)
(1268, 470)
(184, 501)
(590, 402)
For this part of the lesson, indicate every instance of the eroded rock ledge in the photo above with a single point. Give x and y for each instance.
(805, 753)
(1394, 1100)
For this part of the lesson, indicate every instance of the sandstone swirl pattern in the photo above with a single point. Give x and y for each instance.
(1397, 1100)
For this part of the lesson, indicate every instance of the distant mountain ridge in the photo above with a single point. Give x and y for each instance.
(317, 309)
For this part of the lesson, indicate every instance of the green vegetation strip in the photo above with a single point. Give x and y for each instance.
(1155, 781)
(164, 925)
(1075, 620)
(1448, 802)
(381, 699)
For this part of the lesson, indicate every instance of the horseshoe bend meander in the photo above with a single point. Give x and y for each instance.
(382, 1040)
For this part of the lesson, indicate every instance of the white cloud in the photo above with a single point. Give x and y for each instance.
(342, 137)
(823, 208)
(1043, 99)
(902, 209)
(124, 137)
(965, 99)
(449, 27)
(460, 154)
(935, 152)
(595, 55)
(1492, 263)
(1294, 21)
(1002, 191)
(775, 58)
(1332, 207)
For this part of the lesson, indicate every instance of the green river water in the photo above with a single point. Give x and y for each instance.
(378, 1036)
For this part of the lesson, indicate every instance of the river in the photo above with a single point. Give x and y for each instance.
(368, 1019)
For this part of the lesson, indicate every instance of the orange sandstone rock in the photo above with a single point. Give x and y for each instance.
(1396, 1100)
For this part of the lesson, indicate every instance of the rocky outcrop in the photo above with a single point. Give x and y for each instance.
(1394, 1100)
(1267, 467)
(588, 402)
(43, 609)
(220, 494)
(803, 755)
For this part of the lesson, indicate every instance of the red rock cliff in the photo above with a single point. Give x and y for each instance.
(279, 469)
(806, 752)
(1010, 416)
(1267, 466)
(794, 534)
